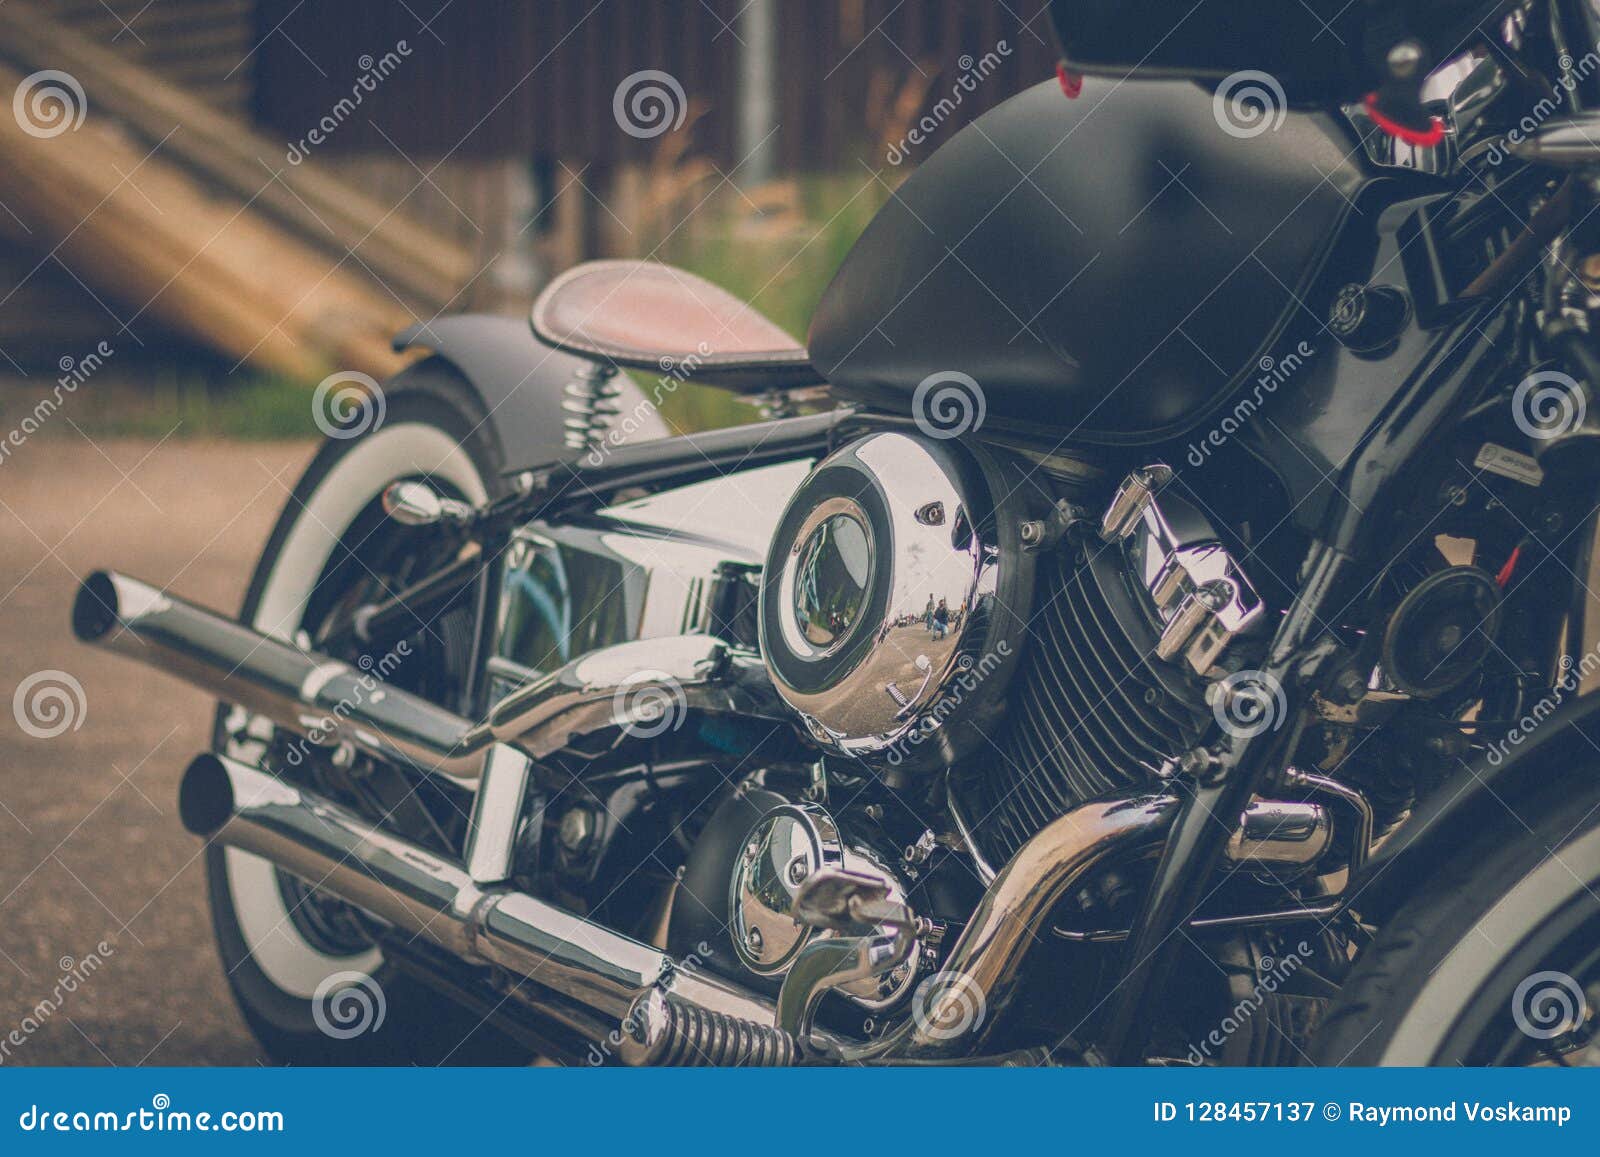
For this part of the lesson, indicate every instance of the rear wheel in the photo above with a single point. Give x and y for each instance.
(1495, 961)
(305, 968)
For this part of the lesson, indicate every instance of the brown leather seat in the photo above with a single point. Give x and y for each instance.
(644, 315)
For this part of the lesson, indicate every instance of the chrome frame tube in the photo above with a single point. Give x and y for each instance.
(492, 832)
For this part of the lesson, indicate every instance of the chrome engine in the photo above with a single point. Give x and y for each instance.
(910, 616)
(895, 579)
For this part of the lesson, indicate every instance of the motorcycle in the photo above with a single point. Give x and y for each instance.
(1146, 626)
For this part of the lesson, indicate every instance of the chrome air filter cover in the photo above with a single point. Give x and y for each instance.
(894, 596)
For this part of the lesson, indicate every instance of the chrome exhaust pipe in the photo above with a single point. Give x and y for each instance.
(647, 683)
(655, 1009)
(983, 971)
(665, 1011)
(308, 693)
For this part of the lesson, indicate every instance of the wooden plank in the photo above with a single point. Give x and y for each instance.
(418, 265)
(158, 244)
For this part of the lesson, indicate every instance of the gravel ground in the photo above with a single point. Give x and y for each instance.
(90, 846)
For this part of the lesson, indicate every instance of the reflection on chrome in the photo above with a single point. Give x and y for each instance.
(878, 591)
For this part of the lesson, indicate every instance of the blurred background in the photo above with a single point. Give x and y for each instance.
(208, 206)
(240, 196)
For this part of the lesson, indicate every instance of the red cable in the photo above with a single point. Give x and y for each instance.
(1504, 576)
(1071, 82)
(1425, 138)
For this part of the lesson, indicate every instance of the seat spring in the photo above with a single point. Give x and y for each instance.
(590, 405)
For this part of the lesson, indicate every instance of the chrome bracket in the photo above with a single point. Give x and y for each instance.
(1202, 596)
(880, 935)
(1134, 497)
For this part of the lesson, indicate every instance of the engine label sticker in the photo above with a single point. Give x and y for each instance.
(1508, 463)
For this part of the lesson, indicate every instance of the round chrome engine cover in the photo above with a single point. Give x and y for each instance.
(783, 849)
(880, 621)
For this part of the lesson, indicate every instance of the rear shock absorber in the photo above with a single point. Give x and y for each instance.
(591, 404)
(661, 1031)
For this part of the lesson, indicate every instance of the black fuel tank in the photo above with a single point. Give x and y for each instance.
(1105, 267)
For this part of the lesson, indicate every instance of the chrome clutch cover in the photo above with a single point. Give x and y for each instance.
(887, 600)
(781, 852)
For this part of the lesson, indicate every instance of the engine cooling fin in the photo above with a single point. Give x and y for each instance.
(1093, 710)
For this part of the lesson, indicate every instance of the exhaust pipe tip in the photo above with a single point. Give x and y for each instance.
(205, 797)
(95, 611)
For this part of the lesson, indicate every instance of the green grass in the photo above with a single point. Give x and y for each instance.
(780, 271)
(157, 403)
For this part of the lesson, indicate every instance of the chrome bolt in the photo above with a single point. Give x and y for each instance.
(798, 870)
(753, 940)
(1404, 59)
(577, 826)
